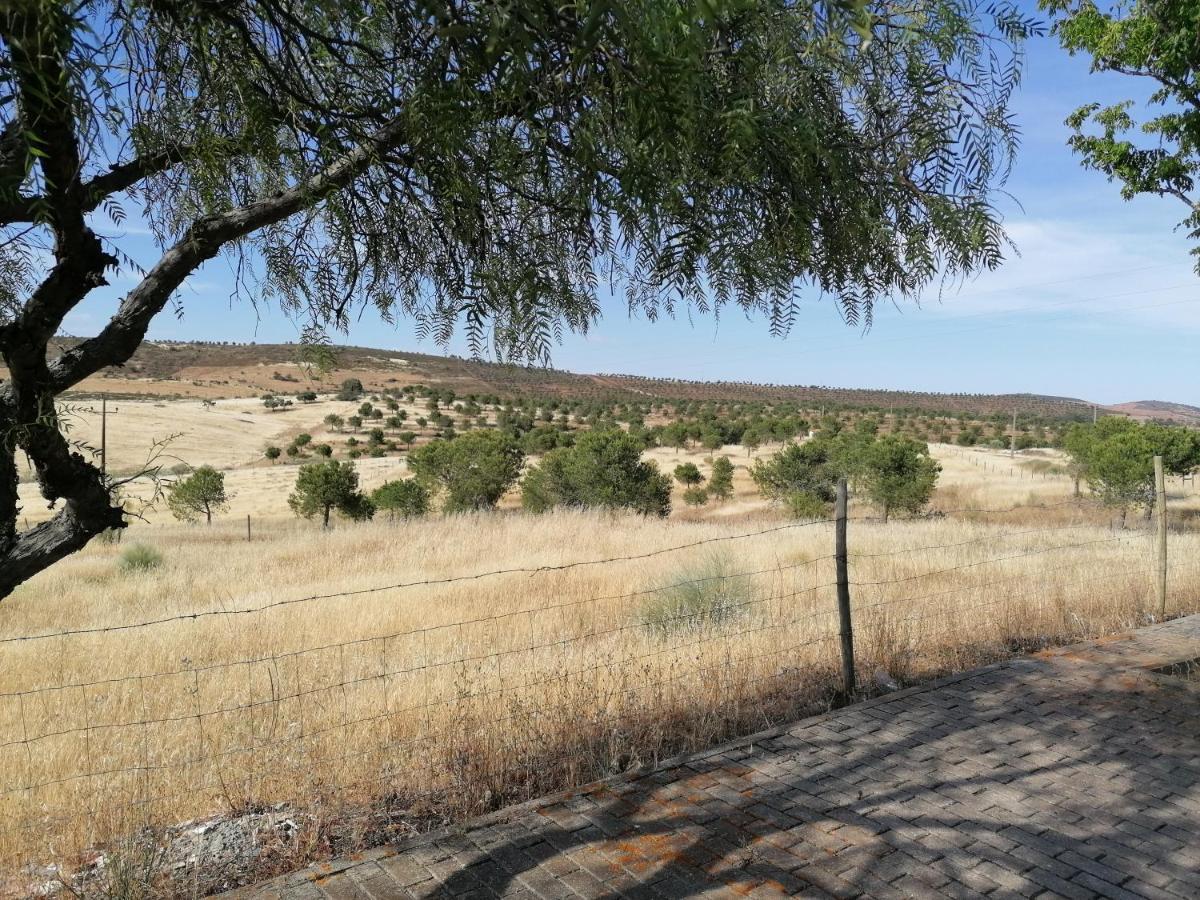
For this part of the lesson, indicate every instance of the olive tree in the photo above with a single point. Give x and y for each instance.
(602, 469)
(1116, 458)
(801, 477)
(472, 164)
(200, 494)
(720, 483)
(472, 471)
(322, 487)
(406, 498)
(899, 474)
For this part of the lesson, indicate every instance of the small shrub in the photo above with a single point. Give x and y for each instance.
(697, 598)
(695, 496)
(140, 558)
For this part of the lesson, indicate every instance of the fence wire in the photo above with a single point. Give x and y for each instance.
(448, 719)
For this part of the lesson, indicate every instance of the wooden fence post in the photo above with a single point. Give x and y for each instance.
(1160, 497)
(247, 526)
(843, 589)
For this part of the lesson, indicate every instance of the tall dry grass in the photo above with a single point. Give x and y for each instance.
(376, 711)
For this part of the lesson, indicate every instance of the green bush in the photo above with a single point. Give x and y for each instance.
(405, 498)
(139, 558)
(803, 505)
(698, 598)
(695, 496)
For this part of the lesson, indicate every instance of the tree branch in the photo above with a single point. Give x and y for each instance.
(119, 177)
(203, 240)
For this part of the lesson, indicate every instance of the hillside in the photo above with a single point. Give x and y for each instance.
(1158, 410)
(221, 370)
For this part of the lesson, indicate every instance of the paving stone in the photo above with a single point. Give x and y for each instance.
(1072, 774)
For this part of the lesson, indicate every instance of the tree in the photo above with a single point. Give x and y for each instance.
(394, 152)
(406, 438)
(712, 441)
(1116, 458)
(322, 487)
(307, 396)
(602, 469)
(200, 494)
(351, 389)
(1155, 41)
(799, 476)
(688, 474)
(720, 482)
(472, 471)
(406, 498)
(272, 453)
(334, 421)
(695, 496)
(751, 440)
(899, 474)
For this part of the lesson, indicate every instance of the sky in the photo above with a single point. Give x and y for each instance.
(1101, 301)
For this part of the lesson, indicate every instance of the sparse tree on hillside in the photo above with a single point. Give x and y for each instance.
(602, 469)
(720, 483)
(405, 498)
(799, 476)
(899, 474)
(272, 453)
(472, 471)
(688, 474)
(322, 487)
(335, 422)
(393, 152)
(712, 441)
(1116, 457)
(351, 389)
(695, 496)
(200, 494)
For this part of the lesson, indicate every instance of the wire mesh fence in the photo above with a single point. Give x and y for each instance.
(434, 699)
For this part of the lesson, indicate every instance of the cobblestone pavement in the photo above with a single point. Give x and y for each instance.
(1075, 773)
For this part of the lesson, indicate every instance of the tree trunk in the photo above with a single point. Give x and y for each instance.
(325, 522)
(885, 513)
(208, 516)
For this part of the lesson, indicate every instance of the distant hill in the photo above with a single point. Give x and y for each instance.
(1160, 411)
(213, 369)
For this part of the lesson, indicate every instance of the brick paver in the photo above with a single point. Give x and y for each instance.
(1072, 774)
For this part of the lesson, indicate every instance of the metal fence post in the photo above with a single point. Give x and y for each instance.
(1160, 497)
(843, 589)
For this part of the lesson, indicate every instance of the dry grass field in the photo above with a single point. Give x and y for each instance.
(366, 677)
(382, 708)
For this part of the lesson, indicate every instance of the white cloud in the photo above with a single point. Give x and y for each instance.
(1073, 270)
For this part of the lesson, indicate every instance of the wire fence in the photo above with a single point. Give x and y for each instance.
(420, 709)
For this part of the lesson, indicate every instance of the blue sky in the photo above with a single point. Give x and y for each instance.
(1102, 302)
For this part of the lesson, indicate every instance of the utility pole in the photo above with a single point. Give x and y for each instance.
(1012, 441)
(103, 436)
